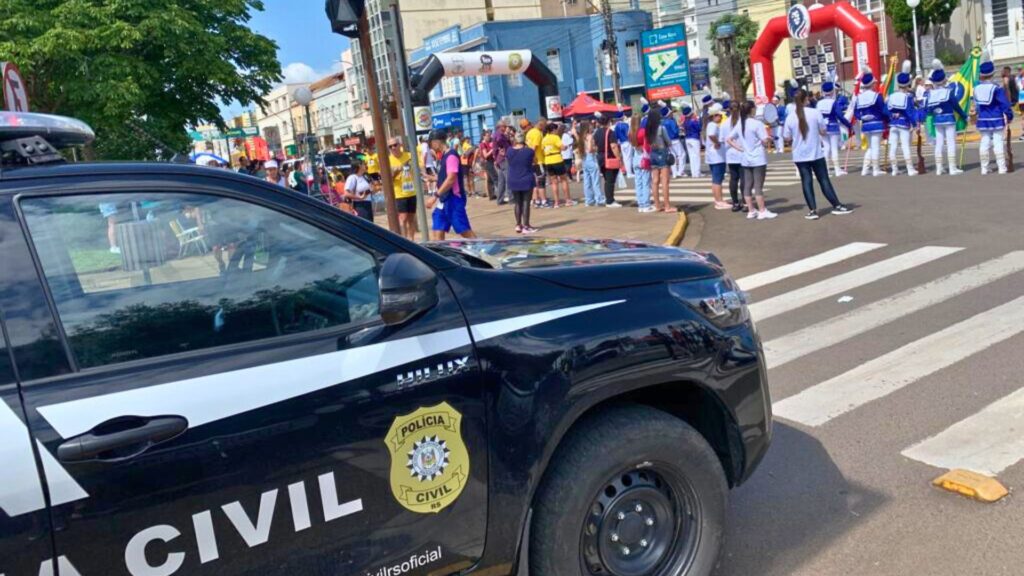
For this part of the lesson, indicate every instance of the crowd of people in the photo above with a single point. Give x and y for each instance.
(531, 164)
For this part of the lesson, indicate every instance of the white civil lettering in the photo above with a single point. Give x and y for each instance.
(300, 506)
(257, 534)
(206, 538)
(329, 499)
(135, 552)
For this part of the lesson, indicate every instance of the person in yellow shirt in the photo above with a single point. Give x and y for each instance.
(534, 137)
(554, 164)
(373, 168)
(467, 157)
(405, 189)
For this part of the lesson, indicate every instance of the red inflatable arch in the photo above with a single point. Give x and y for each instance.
(840, 14)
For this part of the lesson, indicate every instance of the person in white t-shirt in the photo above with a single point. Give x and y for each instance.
(805, 128)
(714, 155)
(750, 137)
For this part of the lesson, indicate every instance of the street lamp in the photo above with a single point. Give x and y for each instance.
(304, 96)
(913, 4)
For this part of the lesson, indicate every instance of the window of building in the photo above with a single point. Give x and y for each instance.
(449, 87)
(554, 62)
(632, 56)
(1000, 18)
(875, 11)
(145, 275)
(480, 82)
(515, 80)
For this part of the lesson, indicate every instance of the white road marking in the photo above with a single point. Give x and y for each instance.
(891, 372)
(847, 281)
(987, 442)
(832, 331)
(755, 281)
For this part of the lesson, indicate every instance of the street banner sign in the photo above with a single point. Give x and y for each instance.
(554, 107)
(483, 63)
(700, 74)
(927, 49)
(13, 88)
(666, 62)
(244, 132)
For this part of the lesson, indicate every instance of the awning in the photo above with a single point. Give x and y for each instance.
(585, 105)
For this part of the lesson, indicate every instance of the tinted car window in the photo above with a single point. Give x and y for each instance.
(137, 276)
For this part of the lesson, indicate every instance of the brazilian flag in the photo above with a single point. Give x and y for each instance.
(962, 83)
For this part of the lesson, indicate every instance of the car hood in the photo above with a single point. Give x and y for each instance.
(587, 263)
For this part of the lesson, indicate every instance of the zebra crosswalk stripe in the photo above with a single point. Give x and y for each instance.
(891, 372)
(833, 256)
(835, 330)
(853, 279)
(988, 442)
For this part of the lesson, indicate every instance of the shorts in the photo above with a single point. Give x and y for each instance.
(452, 216)
(555, 169)
(405, 205)
(659, 158)
(717, 173)
(541, 174)
(568, 165)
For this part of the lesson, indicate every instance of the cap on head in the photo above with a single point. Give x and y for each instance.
(706, 99)
(687, 110)
(269, 164)
(938, 73)
(986, 68)
(715, 109)
(904, 78)
(867, 78)
(524, 123)
(645, 106)
(439, 134)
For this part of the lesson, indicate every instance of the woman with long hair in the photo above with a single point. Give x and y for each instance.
(592, 195)
(805, 129)
(658, 146)
(751, 138)
(733, 157)
(641, 167)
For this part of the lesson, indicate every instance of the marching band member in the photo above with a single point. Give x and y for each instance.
(622, 137)
(833, 108)
(676, 145)
(942, 104)
(870, 110)
(994, 113)
(691, 131)
(902, 119)
(780, 105)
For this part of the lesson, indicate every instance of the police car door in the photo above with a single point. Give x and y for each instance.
(241, 400)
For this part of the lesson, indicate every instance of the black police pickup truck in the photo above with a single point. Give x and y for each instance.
(203, 373)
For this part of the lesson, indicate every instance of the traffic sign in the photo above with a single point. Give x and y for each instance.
(15, 97)
(666, 62)
(243, 132)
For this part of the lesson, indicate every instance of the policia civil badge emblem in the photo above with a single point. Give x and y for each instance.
(429, 460)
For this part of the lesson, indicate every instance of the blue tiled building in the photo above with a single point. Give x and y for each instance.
(571, 48)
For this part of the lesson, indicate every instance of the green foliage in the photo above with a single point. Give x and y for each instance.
(138, 71)
(746, 34)
(928, 13)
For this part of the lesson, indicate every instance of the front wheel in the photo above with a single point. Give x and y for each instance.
(632, 491)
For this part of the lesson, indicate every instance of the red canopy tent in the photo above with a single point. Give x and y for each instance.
(585, 105)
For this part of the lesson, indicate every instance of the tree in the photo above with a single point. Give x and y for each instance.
(928, 13)
(138, 71)
(745, 36)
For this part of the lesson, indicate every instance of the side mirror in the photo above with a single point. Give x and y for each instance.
(408, 287)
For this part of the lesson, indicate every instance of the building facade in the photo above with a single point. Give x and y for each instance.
(276, 119)
(571, 48)
(1003, 24)
(330, 109)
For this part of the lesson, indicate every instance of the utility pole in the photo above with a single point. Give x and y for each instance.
(613, 49)
(727, 63)
(599, 60)
(377, 114)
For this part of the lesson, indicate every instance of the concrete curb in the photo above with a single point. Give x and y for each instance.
(675, 237)
(689, 227)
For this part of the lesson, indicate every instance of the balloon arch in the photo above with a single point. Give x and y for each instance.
(840, 14)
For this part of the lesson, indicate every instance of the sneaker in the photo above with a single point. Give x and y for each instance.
(812, 215)
(895, 171)
(766, 215)
(519, 229)
(842, 210)
(955, 171)
(984, 170)
(865, 172)
(877, 173)
(751, 215)
(911, 172)
(1002, 171)
(841, 172)
(646, 209)
(737, 207)
(613, 205)
(529, 230)
(723, 206)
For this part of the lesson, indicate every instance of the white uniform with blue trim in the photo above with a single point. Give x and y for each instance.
(993, 114)
(870, 109)
(902, 119)
(833, 110)
(944, 108)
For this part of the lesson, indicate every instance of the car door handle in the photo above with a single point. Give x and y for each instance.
(121, 438)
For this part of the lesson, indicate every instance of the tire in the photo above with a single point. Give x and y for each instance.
(632, 491)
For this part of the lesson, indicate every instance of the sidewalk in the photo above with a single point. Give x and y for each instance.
(579, 221)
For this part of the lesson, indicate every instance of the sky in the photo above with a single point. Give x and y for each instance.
(307, 49)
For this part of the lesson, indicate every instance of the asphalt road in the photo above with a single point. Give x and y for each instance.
(896, 352)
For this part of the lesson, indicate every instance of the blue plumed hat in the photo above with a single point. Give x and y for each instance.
(687, 110)
(726, 100)
(903, 78)
(645, 106)
(707, 99)
(664, 108)
(938, 74)
(867, 78)
(986, 68)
